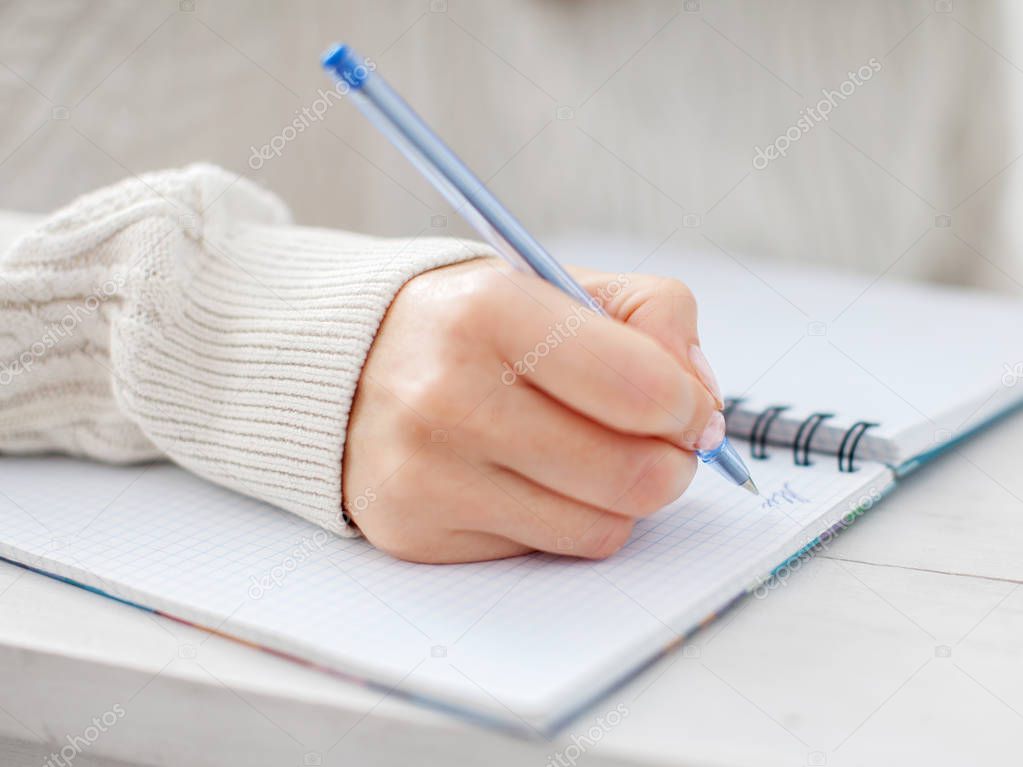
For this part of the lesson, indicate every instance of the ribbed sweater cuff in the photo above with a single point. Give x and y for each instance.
(240, 355)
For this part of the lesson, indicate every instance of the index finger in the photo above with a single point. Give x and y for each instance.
(609, 372)
(661, 307)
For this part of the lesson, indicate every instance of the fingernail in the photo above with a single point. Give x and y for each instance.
(713, 433)
(706, 374)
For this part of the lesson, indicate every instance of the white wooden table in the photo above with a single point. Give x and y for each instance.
(902, 644)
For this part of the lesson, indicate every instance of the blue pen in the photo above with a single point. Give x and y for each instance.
(407, 131)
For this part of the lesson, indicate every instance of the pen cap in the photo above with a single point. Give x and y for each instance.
(348, 66)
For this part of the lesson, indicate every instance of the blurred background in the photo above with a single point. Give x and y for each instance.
(635, 123)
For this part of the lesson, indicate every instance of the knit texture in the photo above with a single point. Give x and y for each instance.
(180, 315)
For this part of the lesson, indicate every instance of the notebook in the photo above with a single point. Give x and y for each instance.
(912, 366)
(837, 392)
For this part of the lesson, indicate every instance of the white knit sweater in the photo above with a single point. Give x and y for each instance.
(180, 315)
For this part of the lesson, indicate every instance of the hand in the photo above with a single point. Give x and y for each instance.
(495, 417)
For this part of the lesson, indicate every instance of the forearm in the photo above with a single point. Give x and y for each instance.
(181, 316)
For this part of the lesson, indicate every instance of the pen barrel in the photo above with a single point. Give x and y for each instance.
(389, 113)
(459, 185)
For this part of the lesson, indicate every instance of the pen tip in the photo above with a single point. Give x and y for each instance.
(749, 485)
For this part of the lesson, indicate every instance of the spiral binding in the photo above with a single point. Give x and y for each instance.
(804, 435)
(730, 405)
(758, 437)
(852, 438)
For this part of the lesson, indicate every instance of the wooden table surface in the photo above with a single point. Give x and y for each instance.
(901, 644)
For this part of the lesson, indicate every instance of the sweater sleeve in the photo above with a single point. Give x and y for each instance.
(180, 315)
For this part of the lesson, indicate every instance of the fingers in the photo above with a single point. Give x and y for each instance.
(609, 372)
(525, 513)
(468, 546)
(526, 431)
(660, 307)
(453, 547)
(442, 507)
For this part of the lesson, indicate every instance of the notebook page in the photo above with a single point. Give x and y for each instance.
(926, 362)
(536, 634)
